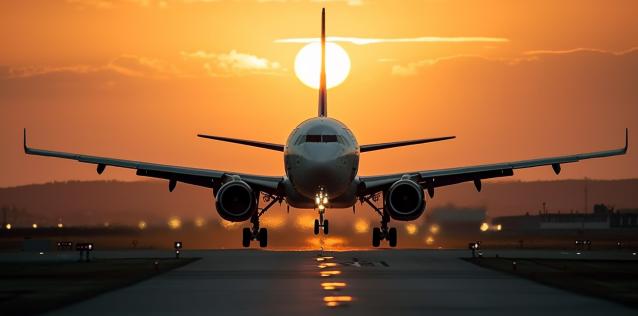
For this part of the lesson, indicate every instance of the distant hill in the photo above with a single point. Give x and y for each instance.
(94, 202)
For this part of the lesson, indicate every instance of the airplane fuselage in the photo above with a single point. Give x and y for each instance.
(321, 155)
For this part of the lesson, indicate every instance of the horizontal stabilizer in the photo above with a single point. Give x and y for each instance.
(271, 146)
(380, 146)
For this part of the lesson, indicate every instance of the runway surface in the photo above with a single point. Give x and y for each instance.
(383, 282)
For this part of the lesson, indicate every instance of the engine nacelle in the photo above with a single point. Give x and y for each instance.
(405, 200)
(235, 201)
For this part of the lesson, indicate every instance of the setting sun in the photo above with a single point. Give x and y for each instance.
(308, 64)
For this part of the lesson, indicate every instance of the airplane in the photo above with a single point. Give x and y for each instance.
(321, 160)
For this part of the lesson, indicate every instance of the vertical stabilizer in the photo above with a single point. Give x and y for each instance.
(323, 106)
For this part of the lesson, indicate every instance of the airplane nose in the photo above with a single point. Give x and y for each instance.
(323, 154)
(322, 161)
(320, 170)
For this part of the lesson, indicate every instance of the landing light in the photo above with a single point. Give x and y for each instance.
(8, 226)
(84, 249)
(34, 225)
(178, 246)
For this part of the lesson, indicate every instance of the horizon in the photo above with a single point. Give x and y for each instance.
(489, 181)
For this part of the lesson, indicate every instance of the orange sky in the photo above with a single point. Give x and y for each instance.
(138, 79)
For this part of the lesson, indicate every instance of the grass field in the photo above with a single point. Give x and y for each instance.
(29, 288)
(616, 280)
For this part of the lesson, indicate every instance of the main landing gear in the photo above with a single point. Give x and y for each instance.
(257, 233)
(383, 232)
(321, 200)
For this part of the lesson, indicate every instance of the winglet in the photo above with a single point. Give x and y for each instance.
(626, 139)
(24, 141)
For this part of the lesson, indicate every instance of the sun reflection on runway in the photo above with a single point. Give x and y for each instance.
(324, 258)
(329, 273)
(326, 265)
(333, 301)
(333, 286)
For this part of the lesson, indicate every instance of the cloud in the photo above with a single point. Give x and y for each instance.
(348, 2)
(414, 68)
(135, 66)
(35, 71)
(125, 65)
(423, 39)
(233, 63)
(97, 4)
(194, 64)
(579, 50)
(162, 4)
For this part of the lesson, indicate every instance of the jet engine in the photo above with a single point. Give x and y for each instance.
(405, 200)
(235, 201)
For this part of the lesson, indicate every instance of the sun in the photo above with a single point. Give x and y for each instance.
(308, 65)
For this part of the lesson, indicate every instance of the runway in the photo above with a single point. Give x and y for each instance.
(383, 282)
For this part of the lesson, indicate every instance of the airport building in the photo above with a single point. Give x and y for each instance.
(602, 217)
(453, 219)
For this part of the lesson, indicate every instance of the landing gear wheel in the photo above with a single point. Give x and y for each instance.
(247, 235)
(316, 227)
(392, 237)
(325, 227)
(376, 237)
(263, 237)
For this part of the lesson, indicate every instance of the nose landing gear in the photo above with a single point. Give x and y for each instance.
(321, 223)
(383, 232)
(321, 200)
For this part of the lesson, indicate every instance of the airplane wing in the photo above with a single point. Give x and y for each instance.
(200, 177)
(430, 179)
(373, 147)
(253, 143)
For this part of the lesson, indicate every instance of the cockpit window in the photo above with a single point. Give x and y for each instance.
(320, 139)
(329, 138)
(313, 138)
